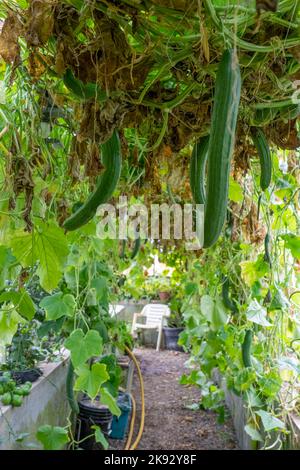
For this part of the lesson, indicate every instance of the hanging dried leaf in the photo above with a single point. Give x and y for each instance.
(35, 66)
(285, 135)
(9, 47)
(266, 5)
(40, 22)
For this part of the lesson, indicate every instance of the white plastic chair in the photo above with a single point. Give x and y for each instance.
(115, 309)
(155, 315)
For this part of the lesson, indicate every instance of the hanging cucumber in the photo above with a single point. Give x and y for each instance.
(221, 144)
(111, 157)
(69, 389)
(264, 154)
(246, 349)
(197, 170)
(230, 304)
(258, 207)
(81, 90)
(76, 206)
(136, 247)
(267, 256)
(122, 254)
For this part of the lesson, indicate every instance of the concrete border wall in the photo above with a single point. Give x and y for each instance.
(46, 404)
(238, 411)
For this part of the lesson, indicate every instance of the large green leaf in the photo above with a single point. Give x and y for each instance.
(269, 421)
(279, 300)
(257, 314)
(99, 437)
(214, 311)
(9, 320)
(82, 347)
(253, 271)
(52, 437)
(235, 192)
(6, 259)
(21, 301)
(58, 305)
(46, 246)
(89, 380)
(253, 433)
(100, 286)
(108, 400)
(207, 307)
(219, 317)
(292, 242)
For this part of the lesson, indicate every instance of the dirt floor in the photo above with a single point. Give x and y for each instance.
(169, 424)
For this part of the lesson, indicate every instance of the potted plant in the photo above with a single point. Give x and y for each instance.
(23, 354)
(175, 325)
(162, 288)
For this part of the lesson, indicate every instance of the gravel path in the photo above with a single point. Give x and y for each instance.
(169, 425)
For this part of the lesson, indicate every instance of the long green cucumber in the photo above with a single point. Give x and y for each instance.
(264, 154)
(111, 157)
(136, 248)
(197, 170)
(69, 389)
(221, 144)
(258, 207)
(81, 90)
(122, 254)
(246, 348)
(267, 255)
(230, 304)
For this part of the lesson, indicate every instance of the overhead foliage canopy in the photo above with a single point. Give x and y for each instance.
(78, 70)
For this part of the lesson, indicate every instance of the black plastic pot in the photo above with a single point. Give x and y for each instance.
(27, 375)
(92, 414)
(171, 336)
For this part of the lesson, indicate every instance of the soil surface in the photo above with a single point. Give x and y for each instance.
(169, 425)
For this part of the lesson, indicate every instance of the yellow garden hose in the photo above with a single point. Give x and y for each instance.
(140, 433)
(132, 421)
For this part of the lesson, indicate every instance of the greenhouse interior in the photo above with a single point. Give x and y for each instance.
(149, 228)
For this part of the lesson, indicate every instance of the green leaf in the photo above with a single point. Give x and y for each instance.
(235, 193)
(269, 421)
(58, 305)
(47, 246)
(190, 288)
(253, 398)
(292, 242)
(295, 298)
(90, 380)
(207, 307)
(289, 363)
(21, 301)
(99, 437)
(257, 314)
(52, 437)
(253, 271)
(9, 320)
(82, 347)
(219, 316)
(213, 311)
(253, 433)
(108, 400)
(99, 284)
(279, 301)
(6, 260)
